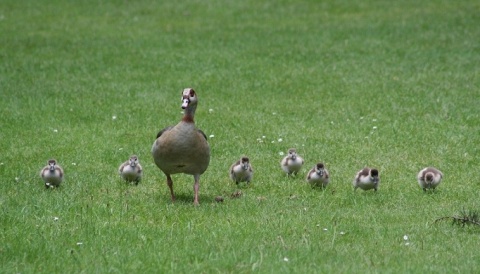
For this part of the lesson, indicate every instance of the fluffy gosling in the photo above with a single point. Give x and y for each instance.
(429, 178)
(292, 163)
(131, 170)
(318, 176)
(241, 171)
(367, 179)
(52, 174)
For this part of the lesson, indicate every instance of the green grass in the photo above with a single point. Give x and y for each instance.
(320, 75)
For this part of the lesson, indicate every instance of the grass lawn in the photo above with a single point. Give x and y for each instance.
(388, 84)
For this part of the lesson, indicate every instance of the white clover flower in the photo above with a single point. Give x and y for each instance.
(210, 110)
(342, 233)
(55, 219)
(375, 127)
(280, 140)
(285, 259)
(281, 153)
(211, 136)
(55, 130)
(79, 243)
(374, 120)
(114, 117)
(325, 229)
(74, 164)
(405, 237)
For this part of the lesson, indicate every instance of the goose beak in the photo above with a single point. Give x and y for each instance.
(185, 103)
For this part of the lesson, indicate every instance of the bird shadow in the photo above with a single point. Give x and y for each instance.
(242, 185)
(186, 198)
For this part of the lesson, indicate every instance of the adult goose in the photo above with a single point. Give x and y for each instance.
(183, 148)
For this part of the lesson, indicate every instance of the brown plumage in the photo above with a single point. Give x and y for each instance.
(52, 174)
(183, 148)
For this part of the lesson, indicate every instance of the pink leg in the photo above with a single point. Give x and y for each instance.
(196, 187)
(170, 185)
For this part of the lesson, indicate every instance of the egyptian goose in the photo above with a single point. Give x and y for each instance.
(367, 179)
(183, 148)
(429, 177)
(318, 176)
(131, 170)
(241, 171)
(292, 163)
(52, 174)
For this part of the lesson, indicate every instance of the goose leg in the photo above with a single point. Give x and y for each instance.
(170, 185)
(196, 187)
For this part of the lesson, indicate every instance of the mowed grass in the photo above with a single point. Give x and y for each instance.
(376, 83)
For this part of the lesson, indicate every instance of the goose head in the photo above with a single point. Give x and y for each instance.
(52, 163)
(292, 154)
(244, 163)
(374, 175)
(189, 99)
(429, 178)
(319, 169)
(133, 161)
